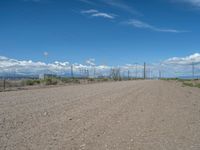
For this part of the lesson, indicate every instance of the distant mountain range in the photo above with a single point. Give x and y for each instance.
(189, 77)
(14, 76)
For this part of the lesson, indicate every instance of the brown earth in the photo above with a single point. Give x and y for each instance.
(135, 115)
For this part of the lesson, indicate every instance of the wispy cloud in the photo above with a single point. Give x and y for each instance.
(115, 4)
(87, 2)
(104, 15)
(140, 24)
(195, 3)
(32, 0)
(96, 13)
(121, 5)
(90, 11)
(45, 54)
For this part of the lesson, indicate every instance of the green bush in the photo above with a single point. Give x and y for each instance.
(105, 79)
(76, 80)
(32, 82)
(66, 80)
(91, 79)
(50, 81)
(197, 85)
(188, 84)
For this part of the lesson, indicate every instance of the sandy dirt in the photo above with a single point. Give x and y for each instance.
(135, 115)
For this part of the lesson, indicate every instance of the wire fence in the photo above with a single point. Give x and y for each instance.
(91, 74)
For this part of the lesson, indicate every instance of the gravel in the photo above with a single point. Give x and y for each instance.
(135, 115)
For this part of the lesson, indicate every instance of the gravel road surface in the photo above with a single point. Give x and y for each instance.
(128, 115)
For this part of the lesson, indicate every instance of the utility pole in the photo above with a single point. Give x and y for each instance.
(119, 73)
(159, 74)
(136, 70)
(72, 73)
(88, 74)
(94, 72)
(193, 70)
(4, 84)
(46, 57)
(128, 74)
(149, 73)
(144, 70)
(80, 71)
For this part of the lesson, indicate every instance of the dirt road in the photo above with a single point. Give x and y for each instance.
(135, 115)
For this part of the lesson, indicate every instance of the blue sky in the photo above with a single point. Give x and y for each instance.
(113, 32)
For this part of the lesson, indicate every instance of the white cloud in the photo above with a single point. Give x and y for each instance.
(87, 2)
(195, 3)
(29, 67)
(180, 66)
(188, 60)
(32, 1)
(8, 65)
(96, 13)
(121, 5)
(104, 15)
(140, 24)
(90, 62)
(89, 11)
(45, 54)
(172, 67)
(115, 4)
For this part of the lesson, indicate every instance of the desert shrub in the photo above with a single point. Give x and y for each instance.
(169, 79)
(37, 81)
(66, 80)
(31, 82)
(76, 80)
(50, 81)
(188, 84)
(197, 85)
(105, 79)
(91, 79)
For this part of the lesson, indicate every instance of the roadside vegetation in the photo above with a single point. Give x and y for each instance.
(63, 80)
(192, 83)
(9, 85)
(186, 82)
(49, 81)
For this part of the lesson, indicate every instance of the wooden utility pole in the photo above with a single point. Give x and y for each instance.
(159, 74)
(144, 70)
(4, 84)
(149, 73)
(72, 72)
(136, 71)
(80, 71)
(88, 74)
(94, 72)
(193, 70)
(128, 74)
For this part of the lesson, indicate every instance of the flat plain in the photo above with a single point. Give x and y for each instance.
(126, 115)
